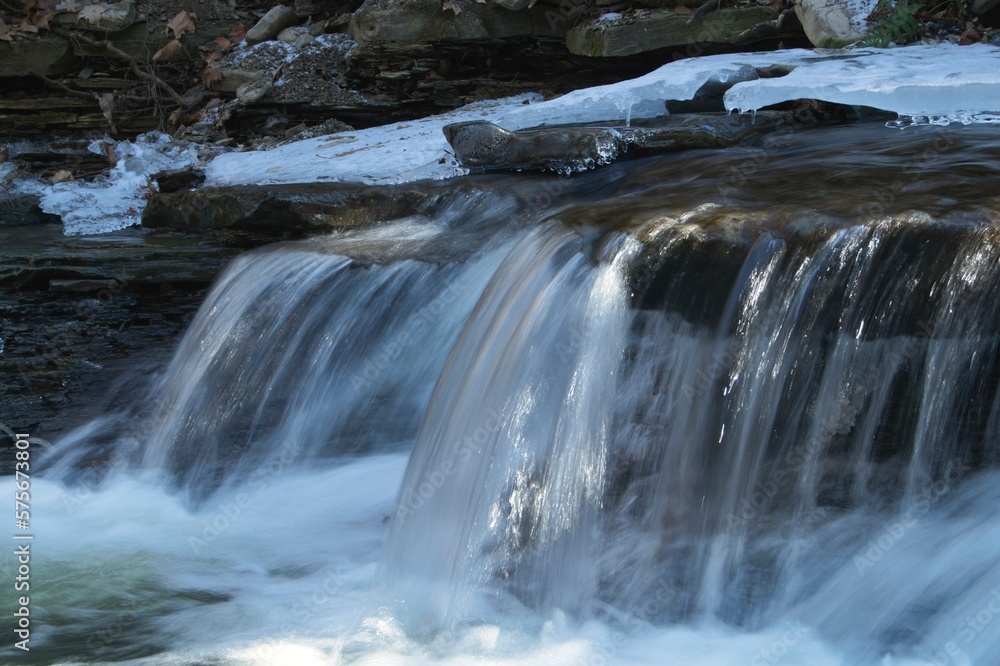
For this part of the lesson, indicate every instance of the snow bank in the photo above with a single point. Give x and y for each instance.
(945, 82)
(116, 200)
(940, 84)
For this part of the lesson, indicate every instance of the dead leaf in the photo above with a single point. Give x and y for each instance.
(5, 32)
(41, 19)
(448, 4)
(170, 50)
(970, 36)
(62, 176)
(183, 23)
(237, 33)
(92, 14)
(212, 51)
(26, 27)
(4, 154)
(107, 102)
(109, 152)
(210, 75)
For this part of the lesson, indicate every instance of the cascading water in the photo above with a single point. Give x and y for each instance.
(682, 421)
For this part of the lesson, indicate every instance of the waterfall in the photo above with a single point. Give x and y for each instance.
(578, 456)
(729, 430)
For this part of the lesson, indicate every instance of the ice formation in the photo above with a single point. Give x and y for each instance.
(943, 82)
(116, 200)
(923, 84)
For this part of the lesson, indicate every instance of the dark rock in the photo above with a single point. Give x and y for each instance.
(46, 53)
(72, 310)
(281, 211)
(178, 179)
(483, 145)
(649, 30)
(22, 210)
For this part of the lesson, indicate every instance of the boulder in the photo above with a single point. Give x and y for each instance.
(831, 24)
(274, 21)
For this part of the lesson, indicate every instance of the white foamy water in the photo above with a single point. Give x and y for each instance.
(284, 573)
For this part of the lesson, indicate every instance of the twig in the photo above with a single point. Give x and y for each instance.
(111, 49)
(61, 86)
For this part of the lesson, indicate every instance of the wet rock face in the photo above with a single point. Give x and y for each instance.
(480, 144)
(485, 146)
(76, 314)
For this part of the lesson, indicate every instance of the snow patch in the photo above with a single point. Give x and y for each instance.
(941, 81)
(116, 200)
(924, 84)
(858, 12)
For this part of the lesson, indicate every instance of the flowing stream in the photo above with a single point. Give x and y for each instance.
(716, 407)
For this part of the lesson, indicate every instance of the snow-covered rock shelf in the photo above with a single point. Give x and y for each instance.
(944, 82)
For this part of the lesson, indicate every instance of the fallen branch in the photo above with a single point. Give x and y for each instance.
(111, 49)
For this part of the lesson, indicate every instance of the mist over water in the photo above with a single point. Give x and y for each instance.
(679, 417)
